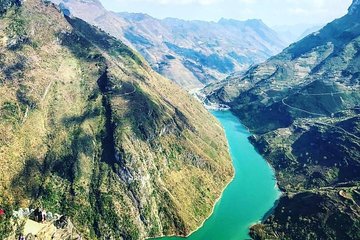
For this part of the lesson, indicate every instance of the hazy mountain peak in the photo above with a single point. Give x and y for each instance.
(135, 16)
(226, 21)
(94, 2)
(254, 21)
(256, 24)
(189, 52)
(181, 21)
(354, 8)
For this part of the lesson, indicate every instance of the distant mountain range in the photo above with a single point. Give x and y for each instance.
(304, 107)
(293, 33)
(191, 53)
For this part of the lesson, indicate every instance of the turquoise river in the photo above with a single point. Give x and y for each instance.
(248, 198)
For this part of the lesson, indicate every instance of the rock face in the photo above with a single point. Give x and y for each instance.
(191, 53)
(303, 105)
(90, 131)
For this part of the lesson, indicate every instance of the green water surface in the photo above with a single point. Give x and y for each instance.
(250, 196)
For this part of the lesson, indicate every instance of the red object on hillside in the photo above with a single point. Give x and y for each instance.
(2, 212)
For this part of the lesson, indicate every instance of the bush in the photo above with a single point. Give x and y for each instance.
(5, 226)
(22, 95)
(9, 111)
(17, 26)
(6, 4)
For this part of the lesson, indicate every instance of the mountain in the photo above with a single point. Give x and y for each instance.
(89, 130)
(191, 53)
(303, 106)
(293, 33)
(309, 31)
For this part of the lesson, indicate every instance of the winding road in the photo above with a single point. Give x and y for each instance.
(301, 110)
(322, 115)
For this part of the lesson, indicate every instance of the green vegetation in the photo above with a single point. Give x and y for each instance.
(6, 4)
(89, 131)
(10, 113)
(5, 226)
(303, 106)
(17, 26)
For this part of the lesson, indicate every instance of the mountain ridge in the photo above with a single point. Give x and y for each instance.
(194, 44)
(91, 132)
(302, 106)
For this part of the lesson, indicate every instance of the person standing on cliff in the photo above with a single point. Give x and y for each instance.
(43, 215)
(2, 212)
(37, 215)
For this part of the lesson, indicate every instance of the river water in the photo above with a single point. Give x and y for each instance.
(248, 198)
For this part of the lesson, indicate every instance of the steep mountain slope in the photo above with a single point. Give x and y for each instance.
(304, 106)
(90, 131)
(192, 53)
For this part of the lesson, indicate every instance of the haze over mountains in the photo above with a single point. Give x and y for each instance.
(304, 106)
(293, 33)
(191, 53)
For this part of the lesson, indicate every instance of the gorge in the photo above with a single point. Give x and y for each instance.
(92, 130)
(251, 195)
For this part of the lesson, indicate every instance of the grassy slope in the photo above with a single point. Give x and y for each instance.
(90, 131)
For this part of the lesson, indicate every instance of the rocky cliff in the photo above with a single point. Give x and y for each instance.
(90, 131)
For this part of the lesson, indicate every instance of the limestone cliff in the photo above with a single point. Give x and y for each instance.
(90, 131)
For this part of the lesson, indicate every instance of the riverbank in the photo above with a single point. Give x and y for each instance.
(211, 106)
(202, 224)
(248, 198)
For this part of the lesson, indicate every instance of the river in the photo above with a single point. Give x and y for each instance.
(250, 196)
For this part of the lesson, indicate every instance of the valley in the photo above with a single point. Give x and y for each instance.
(191, 53)
(303, 108)
(250, 196)
(135, 127)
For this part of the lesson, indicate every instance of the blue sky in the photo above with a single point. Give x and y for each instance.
(272, 12)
